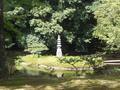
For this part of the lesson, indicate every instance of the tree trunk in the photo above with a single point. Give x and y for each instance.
(3, 68)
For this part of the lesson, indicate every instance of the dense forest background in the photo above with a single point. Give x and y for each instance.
(85, 26)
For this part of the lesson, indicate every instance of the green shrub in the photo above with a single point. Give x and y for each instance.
(71, 60)
(34, 44)
(94, 61)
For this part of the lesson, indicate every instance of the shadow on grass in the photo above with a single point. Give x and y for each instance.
(46, 82)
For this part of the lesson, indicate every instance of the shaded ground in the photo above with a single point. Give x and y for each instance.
(52, 83)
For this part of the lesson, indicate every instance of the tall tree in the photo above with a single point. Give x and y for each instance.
(39, 22)
(107, 14)
(2, 48)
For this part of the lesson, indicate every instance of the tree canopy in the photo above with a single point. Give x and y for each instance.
(84, 25)
(107, 14)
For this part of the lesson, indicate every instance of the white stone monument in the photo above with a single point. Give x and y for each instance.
(59, 50)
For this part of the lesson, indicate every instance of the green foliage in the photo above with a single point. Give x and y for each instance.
(34, 44)
(45, 20)
(41, 11)
(59, 16)
(107, 13)
(71, 61)
(78, 22)
(14, 23)
(94, 61)
(46, 23)
(45, 28)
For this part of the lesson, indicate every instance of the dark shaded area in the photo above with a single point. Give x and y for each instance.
(96, 45)
(3, 59)
(12, 56)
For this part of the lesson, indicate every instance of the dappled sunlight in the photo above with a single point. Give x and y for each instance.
(92, 84)
(37, 83)
(48, 88)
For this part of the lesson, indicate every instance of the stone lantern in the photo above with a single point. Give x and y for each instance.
(59, 50)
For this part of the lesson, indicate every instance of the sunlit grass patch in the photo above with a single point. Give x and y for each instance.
(47, 60)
